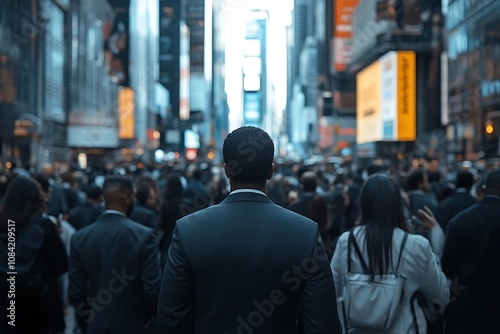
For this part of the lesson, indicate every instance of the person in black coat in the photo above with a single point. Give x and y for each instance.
(247, 264)
(470, 258)
(86, 214)
(38, 302)
(114, 275)
(459, 201)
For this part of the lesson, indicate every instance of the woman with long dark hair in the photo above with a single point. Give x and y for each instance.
(381, 229)
(40, 258)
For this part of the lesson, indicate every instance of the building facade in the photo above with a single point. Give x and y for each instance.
(471, 112)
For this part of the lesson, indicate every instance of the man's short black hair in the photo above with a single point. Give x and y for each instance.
(493, 180)
(117, 184)
(93, 191)
(248, 153)
(465, 179)
(416, 177)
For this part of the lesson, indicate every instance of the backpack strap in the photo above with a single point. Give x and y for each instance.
(352, 240)
(403, 243)
(414, 313)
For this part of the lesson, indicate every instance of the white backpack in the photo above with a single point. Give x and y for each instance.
(368, 302)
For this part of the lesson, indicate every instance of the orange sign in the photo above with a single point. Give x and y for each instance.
(342, 34)
(126, 113)
(407, 96)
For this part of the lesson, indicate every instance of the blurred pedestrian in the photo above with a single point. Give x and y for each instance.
(114, 276)
(174, 207)
(86, 214)
(470, 257)
(40, 260)
(459, 201)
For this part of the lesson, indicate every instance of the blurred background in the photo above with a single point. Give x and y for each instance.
(85, 83)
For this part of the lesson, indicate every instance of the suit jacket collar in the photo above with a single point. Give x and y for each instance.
(491, 199)
(246, 197)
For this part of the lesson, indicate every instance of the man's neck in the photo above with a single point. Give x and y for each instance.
(237, 186)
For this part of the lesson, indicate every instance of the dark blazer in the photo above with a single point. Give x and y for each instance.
(144, 216)
(471, 257)
(246, 265)
(452, 205)
(118, 260)
(84, 215)
(303, 205)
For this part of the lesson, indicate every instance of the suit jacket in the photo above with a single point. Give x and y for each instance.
(452, 205)
(114, 276)
(303, 205)
(246, 265)
(144, 216)
(84, 215)
(471, 257)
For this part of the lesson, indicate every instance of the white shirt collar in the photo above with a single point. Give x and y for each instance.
(114, 212)
(247, 190)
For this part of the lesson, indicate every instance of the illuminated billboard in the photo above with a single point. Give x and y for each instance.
(386, 99)
(126, 119)
(342, 34)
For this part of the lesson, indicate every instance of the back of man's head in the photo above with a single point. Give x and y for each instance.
(248, 154)
(93, 192)
(465, 179)
(115, 187)
(492, 184)
(415, 179)
(308, 181)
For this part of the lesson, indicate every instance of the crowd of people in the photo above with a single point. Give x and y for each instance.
(246, 247)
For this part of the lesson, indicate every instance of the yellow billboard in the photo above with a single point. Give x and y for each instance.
(126, 113)
(386, 99)
(368, 122)
(407, 97)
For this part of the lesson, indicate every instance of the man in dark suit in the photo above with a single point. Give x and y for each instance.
(114, 276)
(246, 265)
(470, 257)
(459, 201)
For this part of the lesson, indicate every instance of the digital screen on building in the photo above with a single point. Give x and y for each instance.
(386, 99)
(251, 107)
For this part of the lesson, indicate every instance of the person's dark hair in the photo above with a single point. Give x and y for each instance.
(22, 199)
(142, 192)
(308, 181)
(353, 190)
(465, 179)
(93, 191)
(116, 184)
(415, 178)
(173, 186)
(43, 182)
(381, 212)
(492, 183)
(248, 153)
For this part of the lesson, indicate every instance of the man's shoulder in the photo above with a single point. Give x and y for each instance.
(220, 211)
(466, 217)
